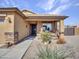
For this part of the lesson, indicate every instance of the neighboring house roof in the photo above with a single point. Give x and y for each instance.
(31, 15)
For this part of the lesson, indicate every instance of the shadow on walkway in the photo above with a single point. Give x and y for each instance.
(26, 38)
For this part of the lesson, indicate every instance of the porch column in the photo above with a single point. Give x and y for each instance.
(58, 25)
(61, 31)
(61, 27)
(54, 26)
(39, 25)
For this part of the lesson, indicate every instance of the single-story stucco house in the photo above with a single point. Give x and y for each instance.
(16, 24)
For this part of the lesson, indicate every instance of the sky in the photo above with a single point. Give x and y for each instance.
(61, 7)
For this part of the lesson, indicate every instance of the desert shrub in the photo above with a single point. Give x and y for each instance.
(55, 53)
(46, 37)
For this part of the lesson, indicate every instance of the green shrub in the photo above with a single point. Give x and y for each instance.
(46, 37)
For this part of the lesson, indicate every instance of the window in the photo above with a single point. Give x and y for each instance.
(47, 27)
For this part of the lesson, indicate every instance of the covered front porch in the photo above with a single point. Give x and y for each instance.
(37, 22)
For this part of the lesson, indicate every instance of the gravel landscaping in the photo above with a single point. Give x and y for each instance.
(71, 41)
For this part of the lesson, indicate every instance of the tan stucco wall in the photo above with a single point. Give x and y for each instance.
(39, 26)
(21, 26)
(6, 27)
(18, 25)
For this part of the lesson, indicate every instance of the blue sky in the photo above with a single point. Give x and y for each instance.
(63, 7)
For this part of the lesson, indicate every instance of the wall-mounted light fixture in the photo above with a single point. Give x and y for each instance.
(9, 20)
(26, 26)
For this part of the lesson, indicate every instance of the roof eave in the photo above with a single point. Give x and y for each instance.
(13, 9)
(47, 17)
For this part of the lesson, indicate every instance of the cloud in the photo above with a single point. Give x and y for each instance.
(77, 4)
(6, 2)
(55, 6)
(22, 4)
(2, 4)
(9, 3)
(64, 1)
(60, 9)
(47, 4)
(13, 3)
(63, 6)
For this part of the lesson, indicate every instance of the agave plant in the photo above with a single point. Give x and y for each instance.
(55, 53)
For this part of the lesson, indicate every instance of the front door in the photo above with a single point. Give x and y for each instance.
(33, 29)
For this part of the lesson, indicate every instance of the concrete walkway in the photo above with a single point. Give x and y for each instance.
(17, 51)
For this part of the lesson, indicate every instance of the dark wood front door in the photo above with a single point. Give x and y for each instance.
(33, 29)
